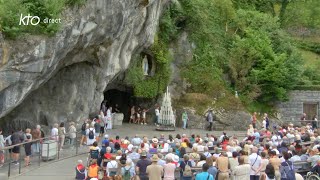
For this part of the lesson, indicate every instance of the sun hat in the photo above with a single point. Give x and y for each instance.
(130, 146)
(143, 153)
(155, 140)
(175, 158)
(155, 158)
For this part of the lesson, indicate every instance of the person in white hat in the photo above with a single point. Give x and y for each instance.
(154, 171)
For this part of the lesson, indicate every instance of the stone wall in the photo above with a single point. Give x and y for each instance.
(293, 109)
(52, 79)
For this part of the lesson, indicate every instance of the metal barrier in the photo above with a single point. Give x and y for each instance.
(301, 122)
(47, 149)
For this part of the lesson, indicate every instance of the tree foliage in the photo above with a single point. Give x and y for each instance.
(262, 63)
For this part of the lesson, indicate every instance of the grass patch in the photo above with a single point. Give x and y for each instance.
(201, 102)
(310, 59)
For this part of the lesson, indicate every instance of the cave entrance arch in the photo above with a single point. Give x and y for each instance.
(123, 97)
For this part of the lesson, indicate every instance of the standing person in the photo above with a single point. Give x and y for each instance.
(72, 133)
(142, 164)
(254, 119)
(62, 135)
(55, 132)
(90, 133)
(36, 135)
(315, 122)
(16, 138)
(286, 168)
(103, 121)
(2, 145)
(242, 172)
(267, 120)
(204, 175)
(233, 162)
(264, 123)
(264, 163)
(169, 169)
(80, 171)
(157, 113)
(103, 106)
(132, 112)
(138, 116)
(210, 119)
(154, 171)
(143, 116)
(97, 128)
(109, 118)
(184, 119)
(93, 169)
(275, 162)
(27, 147)
(84, 127)
(222, 164)
(255, 162)
(303, 118)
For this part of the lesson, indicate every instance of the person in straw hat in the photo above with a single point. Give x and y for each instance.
(142, 166)
(154, 170)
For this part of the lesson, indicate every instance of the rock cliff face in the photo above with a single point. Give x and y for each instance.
(52, 79)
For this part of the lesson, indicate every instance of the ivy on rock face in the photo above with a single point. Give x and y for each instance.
(151, 86)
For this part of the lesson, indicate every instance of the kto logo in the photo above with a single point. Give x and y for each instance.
(26, 20)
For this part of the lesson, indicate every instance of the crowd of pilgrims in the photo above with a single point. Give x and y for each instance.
(262, 154)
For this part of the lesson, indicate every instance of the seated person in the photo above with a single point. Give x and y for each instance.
(316, 168)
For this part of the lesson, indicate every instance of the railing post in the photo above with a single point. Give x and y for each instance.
(40, 152)
(58, 149)
(48, 151)
(10, 160)
(20, 159)
(76, 143)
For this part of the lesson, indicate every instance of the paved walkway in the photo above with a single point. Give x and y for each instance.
(64, 169)
(60, 170)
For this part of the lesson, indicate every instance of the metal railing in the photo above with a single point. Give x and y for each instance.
(44, 150)
(302, 122)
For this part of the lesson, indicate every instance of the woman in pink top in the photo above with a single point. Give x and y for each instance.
(169, 169)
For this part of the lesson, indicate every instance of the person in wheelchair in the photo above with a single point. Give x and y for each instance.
(316, 168)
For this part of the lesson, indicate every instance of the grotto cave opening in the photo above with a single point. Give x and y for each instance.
(123, 97)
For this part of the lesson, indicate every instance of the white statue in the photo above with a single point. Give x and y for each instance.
(236, 95)
(145, 66)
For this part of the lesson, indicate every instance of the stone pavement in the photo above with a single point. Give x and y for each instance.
(64, 169)
(60, 170)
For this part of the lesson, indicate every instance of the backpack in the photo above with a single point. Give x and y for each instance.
(187, 170)
(94, 154)
(126, 175)
(91, 134)
(83, 127)
(290, 174)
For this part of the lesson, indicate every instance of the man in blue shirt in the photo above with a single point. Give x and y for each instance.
(204, 175)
